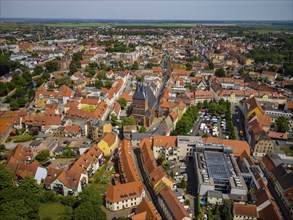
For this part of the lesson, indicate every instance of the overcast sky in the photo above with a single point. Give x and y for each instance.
(151, 9)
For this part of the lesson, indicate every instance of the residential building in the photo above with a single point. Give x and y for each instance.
(127, 191)
(171, 206)
(108, 143)
(146, 211)
(244, 211)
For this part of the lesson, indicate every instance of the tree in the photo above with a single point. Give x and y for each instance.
(282, 124)
(187, 202)
(2, 147)
(183, 183)
(86, 210)
(101, 75)
(5, 64)
(90, 204)
(122, 102)
(188, 66)
(114, 120)
(210, 215)
(38, 70)
(220, 72)
(128, 121)
(3, 89)
(13, 105)
(98, 84)
(6, 178)
(192, 74)
(52, 66)
(43, 155)
(142, 129)
(211, 66)
(226, 210)
(135, 66)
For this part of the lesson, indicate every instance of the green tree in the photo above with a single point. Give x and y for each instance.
(211, 66)
(27, 76)
(98, 84)
(210, 215)
(142, 129)
(192, 74)
(128, 121)
(135, 66)
(226, 210)
(43, 155)
(114, 120)
(52, 66)
(2, 147)
(13, 104)
(183, 183)
(122, 102)
(220, 72)
(86, 210)
(90, 204)
(282, 124)
(187, 202)
(6, 178)
(188, 66)
(101, 75)
(38, 70)
(3, 89)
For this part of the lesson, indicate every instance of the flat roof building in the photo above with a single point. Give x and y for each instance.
(218, 171)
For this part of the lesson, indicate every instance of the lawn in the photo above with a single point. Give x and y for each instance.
(23, 138)
(287, 150)
(51, 210)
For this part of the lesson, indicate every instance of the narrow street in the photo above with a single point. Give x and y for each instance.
(144, 179)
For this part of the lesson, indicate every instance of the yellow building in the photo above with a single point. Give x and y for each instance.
(97, 131)
(159, 180)
(108, 143)
(254, 107)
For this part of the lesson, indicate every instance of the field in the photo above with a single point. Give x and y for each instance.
(236, 26)
(51, 211)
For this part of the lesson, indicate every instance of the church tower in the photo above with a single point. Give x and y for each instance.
(139, 104)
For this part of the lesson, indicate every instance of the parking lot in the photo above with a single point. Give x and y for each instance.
(212, 125)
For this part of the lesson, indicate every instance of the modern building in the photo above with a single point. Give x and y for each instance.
(218, 171)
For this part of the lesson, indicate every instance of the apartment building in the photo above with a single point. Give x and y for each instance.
(127, 191)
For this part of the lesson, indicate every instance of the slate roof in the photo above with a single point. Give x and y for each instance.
(151, 97)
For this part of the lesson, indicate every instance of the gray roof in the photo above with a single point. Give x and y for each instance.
(139, 92)
(215, 194)
(284, 177)
(139, 136)
(151, 97)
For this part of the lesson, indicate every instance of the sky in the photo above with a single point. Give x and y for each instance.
(149, 9)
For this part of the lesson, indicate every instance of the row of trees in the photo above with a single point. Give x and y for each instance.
(186, 123)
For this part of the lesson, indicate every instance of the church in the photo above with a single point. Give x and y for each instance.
(143, 105)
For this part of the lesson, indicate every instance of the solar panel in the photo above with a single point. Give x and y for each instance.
(217, 165)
